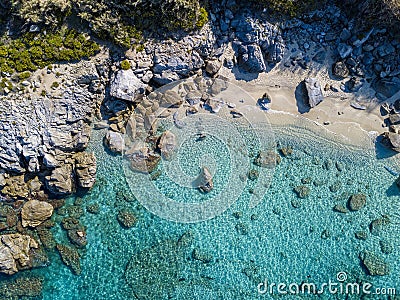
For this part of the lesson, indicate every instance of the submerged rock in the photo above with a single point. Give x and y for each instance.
(361, 235)
(314, 91)
(21, 288)
(340, 208)
(70, 257)
(379, 225)
(35, 212)
(202, 256)
(357, 201)
(126, 218)
(302, 191)
(375, 265)
(204, 181)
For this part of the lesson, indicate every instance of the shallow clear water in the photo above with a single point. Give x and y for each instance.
(228, 256)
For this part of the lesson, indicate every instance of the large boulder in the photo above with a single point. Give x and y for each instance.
(114, 141)
(60, 181)
(167, 145)
(391, 140)
(204, 181)
(35, 212)
(251, 58)
(14, 252)
(314, 91)
(126, 86)
(85, 169)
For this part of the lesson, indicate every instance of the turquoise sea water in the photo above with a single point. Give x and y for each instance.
(228, 256)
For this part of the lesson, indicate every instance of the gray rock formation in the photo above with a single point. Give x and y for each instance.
(14, 251)
(35, 212)
(375, 265)
(314, 91)
(126, 86)
(85, 169)
(167, 145)
(257, 43)
(60, 181)
(357, 201)
(114, 141)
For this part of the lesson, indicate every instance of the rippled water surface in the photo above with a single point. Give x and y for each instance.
(283, 239)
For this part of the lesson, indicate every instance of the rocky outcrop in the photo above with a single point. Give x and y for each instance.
(34, 212)
(85, 169)
(39, 134)
(60, 181)
(14, 251)
(167, 145)
(175, 60)
(314, 91)
(257, 43)
(126, 86)
(142, 159)
(114, 141)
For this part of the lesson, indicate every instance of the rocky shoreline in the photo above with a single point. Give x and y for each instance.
(43, 138)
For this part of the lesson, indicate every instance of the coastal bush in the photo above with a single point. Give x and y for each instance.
(122, 22)
(33, 51)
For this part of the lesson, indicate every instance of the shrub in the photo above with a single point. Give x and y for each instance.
(125, 65)
(30, 52)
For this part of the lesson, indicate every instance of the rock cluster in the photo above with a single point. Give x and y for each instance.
(14, 251)
(257, 43)
(42, 134)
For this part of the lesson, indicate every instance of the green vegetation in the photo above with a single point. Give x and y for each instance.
(55, 85)
(122, 22)
(291, 8)
(203, 18)
(125, 65)
(33, 51)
